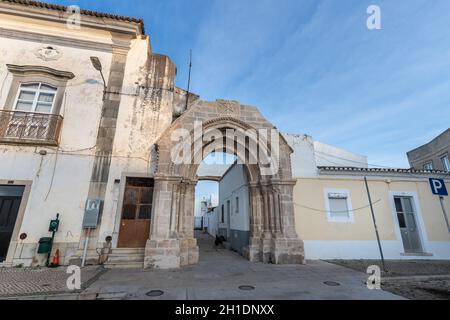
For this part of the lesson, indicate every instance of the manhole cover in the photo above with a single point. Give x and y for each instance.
(155, 293)
(332, 283)
(246, 288)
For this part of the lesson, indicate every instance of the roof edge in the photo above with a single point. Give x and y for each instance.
(89, 13)
(382, 170)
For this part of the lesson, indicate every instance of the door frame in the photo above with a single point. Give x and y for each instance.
(20, 216)
(122, 186)
(423, 237)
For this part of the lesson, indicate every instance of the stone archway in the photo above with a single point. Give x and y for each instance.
(273, 238)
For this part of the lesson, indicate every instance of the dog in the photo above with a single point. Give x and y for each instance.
(220, 241)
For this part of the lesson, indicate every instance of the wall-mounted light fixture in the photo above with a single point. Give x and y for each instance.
(98, 66)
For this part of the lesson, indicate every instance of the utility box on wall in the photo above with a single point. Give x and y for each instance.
(92, 213)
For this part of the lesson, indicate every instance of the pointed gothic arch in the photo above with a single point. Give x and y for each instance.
(273, 238)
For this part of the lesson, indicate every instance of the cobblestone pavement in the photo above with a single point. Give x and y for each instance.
(414, 280)
(42, 281)
(420, 289)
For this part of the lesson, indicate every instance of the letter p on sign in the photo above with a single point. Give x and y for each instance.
(438, 187)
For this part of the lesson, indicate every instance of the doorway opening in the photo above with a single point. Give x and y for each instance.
(407, 221)
(136, 213)
(10, 200)
(223, 203)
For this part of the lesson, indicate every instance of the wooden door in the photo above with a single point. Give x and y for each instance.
(9, 208)
(136, 213)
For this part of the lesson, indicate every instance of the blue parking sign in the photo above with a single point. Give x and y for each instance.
(438, 187)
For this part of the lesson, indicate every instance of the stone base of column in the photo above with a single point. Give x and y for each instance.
(189, 252)
(171, 253)
(276, 251)
(162, 254)
(288, 251)
(253, 252)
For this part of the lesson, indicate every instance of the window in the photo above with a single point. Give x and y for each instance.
(31, 113)
(338, 205)
(428, 166)
(237, 205)
(32, 117)
(400, 212)
(222, 220)
(446, 163)
(35, 97)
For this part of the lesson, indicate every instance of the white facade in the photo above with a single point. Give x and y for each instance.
(212, 221)
(310, 154)
(233, 212)
(59, 178)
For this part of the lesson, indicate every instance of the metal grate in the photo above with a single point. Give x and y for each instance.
(246, 288)
(332, 283)
(155, 293)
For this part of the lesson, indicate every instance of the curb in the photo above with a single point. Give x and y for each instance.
(415, 278)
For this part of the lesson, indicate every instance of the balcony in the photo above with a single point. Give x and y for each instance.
(17, 127)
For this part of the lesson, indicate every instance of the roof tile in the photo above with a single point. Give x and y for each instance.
(97, 14)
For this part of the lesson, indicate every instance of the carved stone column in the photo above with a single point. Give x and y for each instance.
(163, 249)
(287, 248)
(254, 252)
(189, 251)
(266, 237)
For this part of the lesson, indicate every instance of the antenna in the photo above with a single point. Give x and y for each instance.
(189, 78)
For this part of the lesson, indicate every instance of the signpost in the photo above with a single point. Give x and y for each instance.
(439, 188)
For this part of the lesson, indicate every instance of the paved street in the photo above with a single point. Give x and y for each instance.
(220, 273)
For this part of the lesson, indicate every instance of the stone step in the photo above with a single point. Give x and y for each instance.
(126, 258)
(125, 265)
(128, 251)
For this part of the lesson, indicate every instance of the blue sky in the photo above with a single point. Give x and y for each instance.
(312, 66)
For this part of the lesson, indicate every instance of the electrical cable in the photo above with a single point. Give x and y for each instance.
(353, 161)
(94, 155)
(53, 176)
(325, 211)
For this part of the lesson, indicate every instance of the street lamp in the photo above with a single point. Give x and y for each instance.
(98, 66)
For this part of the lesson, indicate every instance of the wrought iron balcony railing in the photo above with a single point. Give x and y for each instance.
(29, 128)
